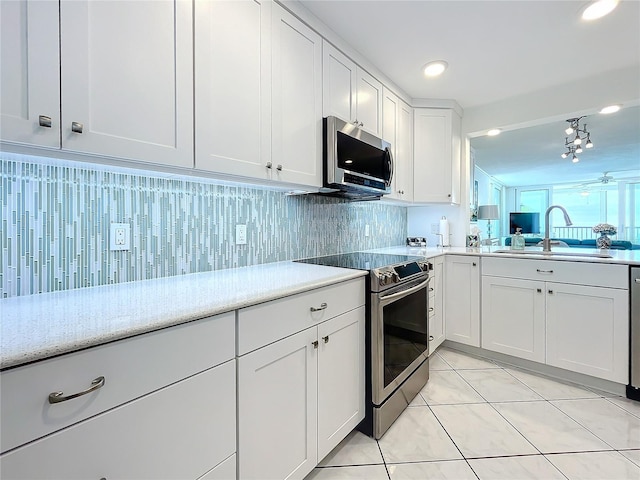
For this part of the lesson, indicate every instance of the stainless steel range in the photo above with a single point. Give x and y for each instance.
(397, 336)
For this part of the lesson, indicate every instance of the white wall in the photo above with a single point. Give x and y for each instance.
(420, 221)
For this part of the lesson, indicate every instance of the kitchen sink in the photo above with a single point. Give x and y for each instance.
(555, 254)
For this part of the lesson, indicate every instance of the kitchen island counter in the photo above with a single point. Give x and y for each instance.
(36, 327)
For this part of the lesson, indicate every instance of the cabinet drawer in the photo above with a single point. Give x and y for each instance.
(131, 368)
(579, 273)
(180, 431)
(268, 322)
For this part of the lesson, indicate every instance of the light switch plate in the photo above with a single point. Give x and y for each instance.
(120, 236)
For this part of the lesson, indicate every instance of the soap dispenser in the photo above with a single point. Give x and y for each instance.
(517, 240)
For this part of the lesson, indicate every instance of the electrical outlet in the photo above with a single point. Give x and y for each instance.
(120, 236)
(367, 231)
(435, 228)
(241, 234)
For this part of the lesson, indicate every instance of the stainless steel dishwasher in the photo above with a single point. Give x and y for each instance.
(633, 389)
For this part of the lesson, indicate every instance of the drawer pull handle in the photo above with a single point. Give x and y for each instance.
(57, 397)
(431, 309)
(543, 271)
(550, 292)
(431, 338)
(76, 127)
(431, 289)
(539, 290)
(44, 121)
(323, 306)
(326, 339)
(474, 264)
(315, 344)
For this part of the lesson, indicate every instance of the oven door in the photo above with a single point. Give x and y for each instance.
(399, 336)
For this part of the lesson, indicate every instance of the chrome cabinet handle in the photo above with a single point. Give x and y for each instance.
(315, 344)
(279, 168)
(323, 306)
(539, 290)
(431, 338)
(431, 289)
(550, 292)
(326, 339)
(76, 127)
(543, 271)
(474, 264)
(431, 309)
(57, 397)
(637, 280)
(44, 121)
(269, 165)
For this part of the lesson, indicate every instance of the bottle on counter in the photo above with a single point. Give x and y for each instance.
(517, 240)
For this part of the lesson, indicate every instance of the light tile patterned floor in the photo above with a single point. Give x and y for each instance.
(476, 419)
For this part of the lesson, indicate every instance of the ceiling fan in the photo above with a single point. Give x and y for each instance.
(603, 180)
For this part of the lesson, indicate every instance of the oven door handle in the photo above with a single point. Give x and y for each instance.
(386, 299)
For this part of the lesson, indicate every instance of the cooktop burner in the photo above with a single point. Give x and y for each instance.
(361, 260)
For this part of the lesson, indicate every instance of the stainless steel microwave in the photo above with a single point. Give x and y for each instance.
(356, 163)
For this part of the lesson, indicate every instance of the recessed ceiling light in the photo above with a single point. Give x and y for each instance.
(599, 9)
(611, 109)
(433, 69)
(493, 132)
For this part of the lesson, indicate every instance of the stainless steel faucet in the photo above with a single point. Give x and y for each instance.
(546, 242)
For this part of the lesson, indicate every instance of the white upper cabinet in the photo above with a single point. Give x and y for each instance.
(127, 79)
(296, 100)
(29, 73)
(397, 128)
(437, 148)
(349, 92)
(339, 76)
(233, 87)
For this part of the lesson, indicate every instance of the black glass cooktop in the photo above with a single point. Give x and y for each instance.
(361, 260)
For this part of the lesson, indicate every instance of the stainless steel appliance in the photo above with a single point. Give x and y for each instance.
(397, 334)
(356, 164)
(633, 389)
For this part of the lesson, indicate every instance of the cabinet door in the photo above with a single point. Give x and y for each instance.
(369, 103)
(436, 306)
(588, 330)
(180, 431)
(232, 87)
(340, 378)
(338, 84)
(277, 432)
(29, 73)
(404, 152)
(390, 133)
(127, 79)
(296, 100)
(513, 317)
(462, 299)
(432, 160)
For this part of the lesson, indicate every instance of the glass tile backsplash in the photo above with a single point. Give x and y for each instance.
(56, 223)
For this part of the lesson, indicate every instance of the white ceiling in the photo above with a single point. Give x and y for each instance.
(498, 50)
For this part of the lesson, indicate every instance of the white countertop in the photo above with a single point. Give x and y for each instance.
(624, 257)
(36, 327)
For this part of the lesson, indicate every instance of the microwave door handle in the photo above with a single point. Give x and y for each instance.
(389, 156)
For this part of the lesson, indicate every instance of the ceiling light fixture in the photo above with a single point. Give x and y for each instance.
(433, 69)
(611, 109)
(599, 9)
(574, 145)
(493, 132)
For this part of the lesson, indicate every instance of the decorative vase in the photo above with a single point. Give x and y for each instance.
(603, 241)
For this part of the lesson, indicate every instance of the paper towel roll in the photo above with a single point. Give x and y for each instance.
(444, 231)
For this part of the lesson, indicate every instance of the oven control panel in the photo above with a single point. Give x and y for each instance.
(395, 274)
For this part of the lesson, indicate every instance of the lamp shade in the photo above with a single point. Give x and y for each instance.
(488, 212)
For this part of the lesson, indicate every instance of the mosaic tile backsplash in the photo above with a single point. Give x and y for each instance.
(56, 223)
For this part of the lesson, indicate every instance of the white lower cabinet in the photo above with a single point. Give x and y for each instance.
(436, 305)
(588, 330)
(462, 299)
(513, 317)
(179, 431)
(225, 470)
(570, 315)
(299, 396)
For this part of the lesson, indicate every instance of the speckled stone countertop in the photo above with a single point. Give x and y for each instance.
(36, 327)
